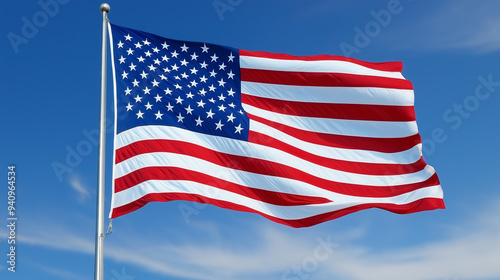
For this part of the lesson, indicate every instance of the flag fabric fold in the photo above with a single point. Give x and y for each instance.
(297, 139)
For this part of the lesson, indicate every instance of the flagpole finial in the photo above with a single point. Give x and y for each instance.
(105, 8)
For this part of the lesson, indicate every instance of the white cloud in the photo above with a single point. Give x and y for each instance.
(77, 185)
(456, 25)
(268, 251)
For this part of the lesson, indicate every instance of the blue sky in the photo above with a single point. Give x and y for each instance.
(50, 54)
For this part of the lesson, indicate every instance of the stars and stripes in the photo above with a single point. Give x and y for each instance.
(299, 140)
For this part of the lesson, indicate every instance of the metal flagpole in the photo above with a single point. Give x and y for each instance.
(99, 244)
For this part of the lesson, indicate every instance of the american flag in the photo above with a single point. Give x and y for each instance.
(298, 140)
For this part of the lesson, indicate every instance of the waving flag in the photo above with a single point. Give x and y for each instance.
(298, 140)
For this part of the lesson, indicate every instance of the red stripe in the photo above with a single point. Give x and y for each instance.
(321, 79)
(174, 173)
(385, 145)
(347, 166)
(332, 110)
(393, 66)
(265, 167)
(412, 207)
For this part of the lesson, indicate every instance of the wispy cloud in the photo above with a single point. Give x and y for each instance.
(456, 25)
(77, 185)
(266, 251)
(61, 274)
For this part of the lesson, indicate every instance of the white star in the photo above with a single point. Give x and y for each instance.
(180, 118)
(194, 56)
(127, 91)
(169, 107)
(238, 129)
(130, 51)
(155, 83)
(120, 44)
(139, 114)
(152, 67)
(148, 106)
(194, 83)
(230, 118)
(230, 92)
(203, 65)
(165, 58)
(138, 45)
(240, 111)
(157, 61)
(184, 62)
(189, 110)
(144, 75)
(148, 53)
(165, 45)
(132, 66)
(124, 75)
(203, 79)
(222, 97)
(184, 48)
(212, 100)
(210, 114)
(136, 83)
(201, 103)
(230, 74)
(204, 48)
(221, 82)
(232, 105)
(158, 115)
(146, 42)
(213, 73)
(128, 37)
(163, 77)
(222, 108)
(175, 67)
(189, 95)
(174, 54)
(138, 99)
(166, 70)
(184, 75)
(168, 91)
(202, 92)
(141, 59)
(158, 97)
(211, 88)
(231, 57)
(194, 71)
(122, 59)
(222, 66)
(219, 125)
(214, 57)
(177, 77)
(146, 90)
(179, 100)
(129, 107)
(156, 50)
(177, 86)
(198, 121)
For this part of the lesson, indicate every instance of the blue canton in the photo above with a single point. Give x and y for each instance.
(194, 86)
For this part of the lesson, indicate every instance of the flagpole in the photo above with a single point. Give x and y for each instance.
(99, 243)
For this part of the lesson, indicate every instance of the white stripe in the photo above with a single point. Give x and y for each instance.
(242, 148)
(405, 157)
(281, 212)
(375, 129)
(244, 178)
(320, 66)
(222, 144)
(341, 95)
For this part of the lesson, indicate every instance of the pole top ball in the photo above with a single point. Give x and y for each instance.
(105, 8)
